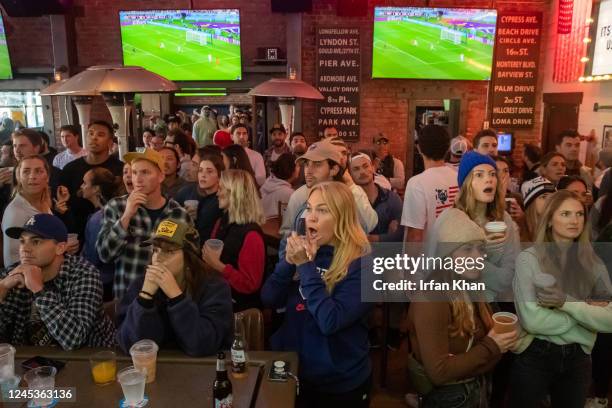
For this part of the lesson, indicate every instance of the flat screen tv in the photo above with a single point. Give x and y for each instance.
(505, 142)
(602, 54)
(5, 61)
(433, 43)
(183, 45)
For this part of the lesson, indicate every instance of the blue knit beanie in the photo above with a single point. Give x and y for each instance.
(470, 160)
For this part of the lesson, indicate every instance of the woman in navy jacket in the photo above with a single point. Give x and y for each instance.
(325, 320)
(179, 302)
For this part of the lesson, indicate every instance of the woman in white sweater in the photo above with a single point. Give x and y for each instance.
(563, 295)
(32, 197)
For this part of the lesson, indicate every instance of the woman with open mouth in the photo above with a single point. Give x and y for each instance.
(481, 198)
(319, 284)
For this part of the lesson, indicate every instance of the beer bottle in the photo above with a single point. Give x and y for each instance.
(222, 387)
(239, 357)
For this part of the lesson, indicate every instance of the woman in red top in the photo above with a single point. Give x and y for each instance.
(242, 260)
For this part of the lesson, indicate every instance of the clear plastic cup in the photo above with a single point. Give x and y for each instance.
(192, 208)
(9, 384)
(103, 367)
(144, 356)
(41, 379)
(504, 322)
(7, 361)
(214, 244)
(544, 280)
(133, 382)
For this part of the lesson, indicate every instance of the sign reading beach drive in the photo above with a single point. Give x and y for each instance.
(338, 79)
(517, 52)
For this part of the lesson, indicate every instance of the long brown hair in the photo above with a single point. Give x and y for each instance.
(576, 277)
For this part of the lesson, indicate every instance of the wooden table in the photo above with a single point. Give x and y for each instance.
(271, 230)
(181, 381)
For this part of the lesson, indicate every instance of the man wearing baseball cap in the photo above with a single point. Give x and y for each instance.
(51, 297)
(322, 163)
(131, 219)
(278, 137)
(389, 167)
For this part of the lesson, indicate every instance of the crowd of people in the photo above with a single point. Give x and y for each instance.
(84, 228)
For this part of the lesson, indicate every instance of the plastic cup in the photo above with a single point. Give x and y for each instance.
(192, 207)
(504, 322)
(41, 379)
(132, 382)
(144, 356)
(103, 367)
(7, 361)
(9, 384)
(544, 280)
(495, 227)
(214, 244)
(73, 238)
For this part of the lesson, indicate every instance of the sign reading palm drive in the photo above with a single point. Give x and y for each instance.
(338, 79)
(517, 52)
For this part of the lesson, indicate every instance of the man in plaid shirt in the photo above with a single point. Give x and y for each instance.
(131, 219)
(51, 298)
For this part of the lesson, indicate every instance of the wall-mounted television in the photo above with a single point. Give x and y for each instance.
(602, 52)
(183, 45)
(505, 142)
(5, 61)
(433, 43)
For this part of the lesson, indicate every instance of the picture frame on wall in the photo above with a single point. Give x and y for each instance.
(606, 137)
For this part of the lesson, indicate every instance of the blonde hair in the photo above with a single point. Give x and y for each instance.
(352, 242)
(466, 201)
(576, 276)
(531, 220)
(462, 317)
(244, 204)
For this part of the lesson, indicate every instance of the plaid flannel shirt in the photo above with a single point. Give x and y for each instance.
(70, 307)
(122, 247)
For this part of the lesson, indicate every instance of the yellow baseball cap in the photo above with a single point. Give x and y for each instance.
(148, 154)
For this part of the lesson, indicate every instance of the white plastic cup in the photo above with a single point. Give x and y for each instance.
(544, 280)
(214, 244)
(495, 227)
(7, 361)
(73, 238)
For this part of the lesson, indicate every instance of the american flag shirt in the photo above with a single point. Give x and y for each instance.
(68, 311)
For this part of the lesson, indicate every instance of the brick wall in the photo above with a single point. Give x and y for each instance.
(29, 41)
(387, 104)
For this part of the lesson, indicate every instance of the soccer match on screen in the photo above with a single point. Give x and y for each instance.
(433, 43)
(5, 62)
(183, 45)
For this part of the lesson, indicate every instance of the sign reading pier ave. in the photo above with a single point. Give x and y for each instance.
(517, 52)
(338, 79)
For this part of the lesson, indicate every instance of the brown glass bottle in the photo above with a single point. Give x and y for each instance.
(222, 387)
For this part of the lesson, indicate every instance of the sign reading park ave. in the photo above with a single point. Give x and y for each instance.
(338, 79)
(515, 77)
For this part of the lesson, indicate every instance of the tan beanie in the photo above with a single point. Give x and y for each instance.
(455, 228)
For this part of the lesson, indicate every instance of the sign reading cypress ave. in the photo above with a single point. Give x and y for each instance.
(517, 52)
(338, 79)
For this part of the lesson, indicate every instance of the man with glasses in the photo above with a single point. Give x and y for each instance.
(389, 166)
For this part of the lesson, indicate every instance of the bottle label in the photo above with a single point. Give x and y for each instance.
(238, 356)
(226, 402)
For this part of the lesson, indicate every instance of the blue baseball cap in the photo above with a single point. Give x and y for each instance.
(46, 226)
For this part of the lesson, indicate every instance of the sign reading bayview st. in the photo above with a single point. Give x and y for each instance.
(338, 79)
(517, 52)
